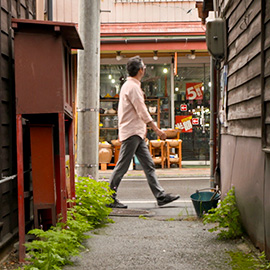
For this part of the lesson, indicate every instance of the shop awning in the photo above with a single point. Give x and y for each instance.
(146, 37)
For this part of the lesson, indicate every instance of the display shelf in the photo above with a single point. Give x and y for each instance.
(152, 102)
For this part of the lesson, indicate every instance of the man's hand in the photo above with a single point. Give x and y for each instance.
(158, 131)
(161, 134)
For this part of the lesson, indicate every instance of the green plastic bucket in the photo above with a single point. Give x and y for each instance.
(202, 201)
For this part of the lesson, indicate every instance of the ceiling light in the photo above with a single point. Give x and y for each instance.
(110, 76)
(165, 70)
(155, 57)
(113, 80)
(118, 56)
(192, 55)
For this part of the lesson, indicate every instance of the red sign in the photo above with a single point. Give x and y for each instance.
(183, 122)
(183, 107)
(194, 91)
(195, 121)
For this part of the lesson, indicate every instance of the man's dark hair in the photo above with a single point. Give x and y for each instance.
(133, 65)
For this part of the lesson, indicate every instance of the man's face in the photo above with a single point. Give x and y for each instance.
(143, 68)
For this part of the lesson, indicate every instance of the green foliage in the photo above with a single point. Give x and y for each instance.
(227, 216)
(262, 262)
(91, 200)
(240, 260)
(54, 247)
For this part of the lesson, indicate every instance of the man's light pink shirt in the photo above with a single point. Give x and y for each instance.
(132, 111)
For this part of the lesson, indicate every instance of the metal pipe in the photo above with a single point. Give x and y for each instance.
(50, 10)
(212, 122)
(152, 40)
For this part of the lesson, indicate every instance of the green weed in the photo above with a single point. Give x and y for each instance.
(55, 247)
(227, 216)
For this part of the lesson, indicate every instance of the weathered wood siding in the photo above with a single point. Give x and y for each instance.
(266, 90)
(137, 11)
(245, 143)
(8, 192)
(244, 68)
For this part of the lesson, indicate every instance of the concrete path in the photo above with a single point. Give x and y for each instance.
(134, 243)
(164, 239)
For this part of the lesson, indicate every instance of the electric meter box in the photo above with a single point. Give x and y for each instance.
(216, 38)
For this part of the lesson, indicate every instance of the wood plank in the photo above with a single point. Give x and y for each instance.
(4, 4)
(5, 136)
(246, 55)
(245, 127)
(4, 45)
(267, 63)
(4, 159)
(4, 67)
(267, 113)
(1, 95)
(268, 135)
(14, 9)
(246, 91)
(245, 38)
(244, 22)
(248, 72)
(5, 113)
(247, 109)
(267, 11)
(267, 36)
(4, 21)
(233, 5)
(267, 89)
(238, 13)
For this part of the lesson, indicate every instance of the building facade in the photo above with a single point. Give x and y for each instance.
(170, 38)
(8, 178)
(245, 103)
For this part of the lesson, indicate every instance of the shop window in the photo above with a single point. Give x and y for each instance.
(192, 110)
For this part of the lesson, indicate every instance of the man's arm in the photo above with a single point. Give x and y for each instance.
(158, 131)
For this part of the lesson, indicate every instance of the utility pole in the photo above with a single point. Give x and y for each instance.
(88, 89)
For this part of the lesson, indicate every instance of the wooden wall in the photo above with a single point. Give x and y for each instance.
(8, 192)
(245, 143)
(266, 80)
(244, 68)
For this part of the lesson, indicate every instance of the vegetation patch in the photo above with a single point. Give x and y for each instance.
(227, 218)
(241, 260)
(55, 247)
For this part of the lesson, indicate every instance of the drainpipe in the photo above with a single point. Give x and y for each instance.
(212, 123)
(50, 9)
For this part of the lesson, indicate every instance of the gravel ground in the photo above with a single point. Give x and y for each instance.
(135, 243)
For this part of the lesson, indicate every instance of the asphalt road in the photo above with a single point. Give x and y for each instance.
(137, 195)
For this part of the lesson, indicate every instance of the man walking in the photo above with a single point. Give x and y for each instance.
(133, 119)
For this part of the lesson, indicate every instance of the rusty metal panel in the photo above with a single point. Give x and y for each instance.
(40, 50)
(38, 73)
(248, 179)
(42, 164)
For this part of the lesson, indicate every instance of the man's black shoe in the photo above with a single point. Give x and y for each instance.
(117, 204)
(167, 198)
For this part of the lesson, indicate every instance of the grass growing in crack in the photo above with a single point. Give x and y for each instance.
(248, 261)
(227, 217)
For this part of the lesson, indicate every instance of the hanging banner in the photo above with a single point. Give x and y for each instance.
(194, 91)
(183, 122)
